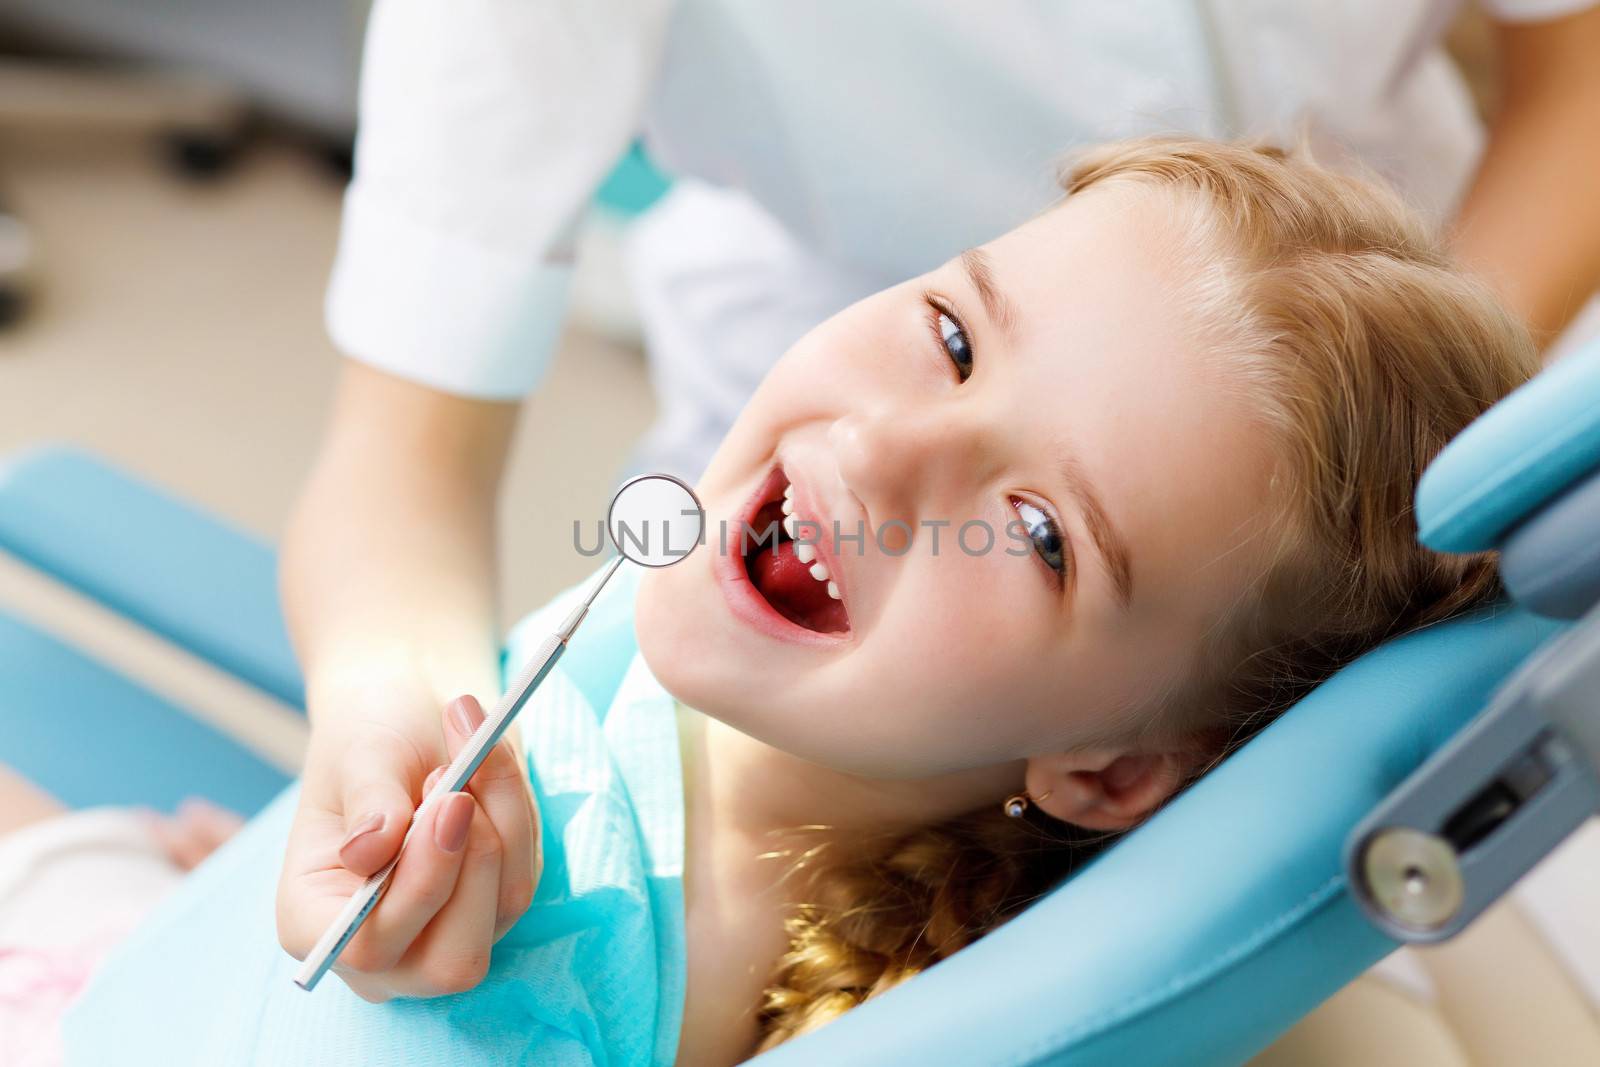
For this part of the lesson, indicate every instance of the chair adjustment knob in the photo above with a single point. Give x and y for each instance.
(1413, 877)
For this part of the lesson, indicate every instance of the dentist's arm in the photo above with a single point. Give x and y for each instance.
(485, 127)
(1531, 221)
(389, 560)
(387, 579)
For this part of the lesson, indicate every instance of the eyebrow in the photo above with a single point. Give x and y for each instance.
(1001, 311)
(1112, 548)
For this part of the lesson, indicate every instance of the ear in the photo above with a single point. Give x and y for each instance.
(1106, 789)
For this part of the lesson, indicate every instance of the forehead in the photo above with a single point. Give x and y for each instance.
(1154, 416)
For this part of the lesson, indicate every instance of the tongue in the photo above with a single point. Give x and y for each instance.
(788, 586)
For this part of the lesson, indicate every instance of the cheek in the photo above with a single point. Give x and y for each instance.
(973, 666)
(949, 679)
(956, 674)
(963, 650)
(945, 621)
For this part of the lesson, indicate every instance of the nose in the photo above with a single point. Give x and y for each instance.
(905, 461)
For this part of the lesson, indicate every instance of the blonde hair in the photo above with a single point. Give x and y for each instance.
(1364, 350)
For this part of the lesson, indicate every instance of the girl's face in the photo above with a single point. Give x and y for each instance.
(1080, 487)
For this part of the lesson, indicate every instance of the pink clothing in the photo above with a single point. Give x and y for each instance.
(71, 888)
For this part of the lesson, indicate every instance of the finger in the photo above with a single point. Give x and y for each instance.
(501, 786)
(175, 841)
(155, 823)
(208, 824)
(377, 807)
(314, 885)
(452, 954)
(421, 884)
(310, 898)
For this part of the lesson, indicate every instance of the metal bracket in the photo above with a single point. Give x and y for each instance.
(1477, 816)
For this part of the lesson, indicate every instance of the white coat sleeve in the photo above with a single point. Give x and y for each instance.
(485, 126)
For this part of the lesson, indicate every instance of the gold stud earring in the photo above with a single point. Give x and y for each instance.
(1017, 803)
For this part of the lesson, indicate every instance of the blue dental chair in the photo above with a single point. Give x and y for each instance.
(1392, 804)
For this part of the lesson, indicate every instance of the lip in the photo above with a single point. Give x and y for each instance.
(744, 600)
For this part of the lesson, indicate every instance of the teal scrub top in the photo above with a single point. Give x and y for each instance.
(593, 974)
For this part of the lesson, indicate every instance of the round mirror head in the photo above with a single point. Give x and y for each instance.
(655, 520)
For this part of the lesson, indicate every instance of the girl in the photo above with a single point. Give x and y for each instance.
(1189, 405)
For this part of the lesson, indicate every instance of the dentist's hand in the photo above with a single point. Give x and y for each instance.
(467, 875)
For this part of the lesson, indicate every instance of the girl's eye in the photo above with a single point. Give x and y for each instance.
(956, 343)
(954, 340)
(1045, 535)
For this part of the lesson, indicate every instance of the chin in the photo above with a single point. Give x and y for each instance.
(665, 633)
(683, 648)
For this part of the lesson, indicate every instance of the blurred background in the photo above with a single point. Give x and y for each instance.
(170, 177)
(170, 183)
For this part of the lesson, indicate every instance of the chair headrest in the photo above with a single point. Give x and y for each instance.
(1520, 455)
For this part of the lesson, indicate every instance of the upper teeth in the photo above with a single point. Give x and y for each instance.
(820, 572)
(804, 551)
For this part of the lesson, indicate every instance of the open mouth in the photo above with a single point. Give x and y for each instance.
(785, 565)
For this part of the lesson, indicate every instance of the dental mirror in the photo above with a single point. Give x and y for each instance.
(655, 520)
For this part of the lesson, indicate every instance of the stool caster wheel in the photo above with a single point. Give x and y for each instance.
(16, 260)
(13, 303)
(200, 154)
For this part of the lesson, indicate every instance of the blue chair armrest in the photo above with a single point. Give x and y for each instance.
(195, 580)
(89, 736)
(1517, 457)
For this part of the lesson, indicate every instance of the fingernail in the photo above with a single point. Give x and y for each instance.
(450, 830)
(373, 821)
(466, 714)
